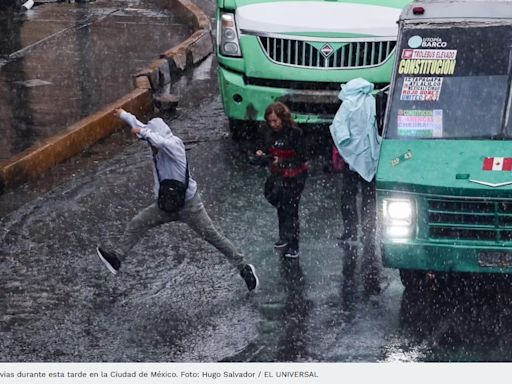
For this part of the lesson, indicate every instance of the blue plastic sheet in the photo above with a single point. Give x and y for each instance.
(354, 128)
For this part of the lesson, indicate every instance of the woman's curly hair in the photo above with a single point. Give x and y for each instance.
(281, 111)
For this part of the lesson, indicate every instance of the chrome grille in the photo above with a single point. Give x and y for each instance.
(471, 220)
(300, 53)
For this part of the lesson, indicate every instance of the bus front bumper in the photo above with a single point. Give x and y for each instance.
(447, 257)
(248, 102)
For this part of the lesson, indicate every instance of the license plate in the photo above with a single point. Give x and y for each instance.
(495, 259)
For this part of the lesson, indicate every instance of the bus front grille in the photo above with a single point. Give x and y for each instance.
(470, 220)
(300, 53)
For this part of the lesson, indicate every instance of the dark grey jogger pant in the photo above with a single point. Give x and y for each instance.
(193, 214)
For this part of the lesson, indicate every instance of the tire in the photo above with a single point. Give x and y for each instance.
(418, 280)
(413, 280)
(238, 129)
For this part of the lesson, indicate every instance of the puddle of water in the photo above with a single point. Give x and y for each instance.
(33, 83)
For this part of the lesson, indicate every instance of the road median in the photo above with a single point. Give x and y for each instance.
(74, 139)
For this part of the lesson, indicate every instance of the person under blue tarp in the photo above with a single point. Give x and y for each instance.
(356, 137)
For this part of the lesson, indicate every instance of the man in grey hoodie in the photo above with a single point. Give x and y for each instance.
(170, 162)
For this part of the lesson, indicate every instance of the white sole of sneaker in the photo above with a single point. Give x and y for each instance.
(255, 276)
(280, 247)
(104, 261)
(288, 256)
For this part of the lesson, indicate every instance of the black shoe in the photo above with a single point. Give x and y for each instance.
(110, 260)
(280, 244)
(291, 254)
(248, 273)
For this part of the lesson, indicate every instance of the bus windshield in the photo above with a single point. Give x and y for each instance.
(451, 83)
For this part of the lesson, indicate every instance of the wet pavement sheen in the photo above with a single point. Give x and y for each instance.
(61, 62)
(177, 299)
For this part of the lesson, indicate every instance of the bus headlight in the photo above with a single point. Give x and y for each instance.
(227, 35)
(399, 217)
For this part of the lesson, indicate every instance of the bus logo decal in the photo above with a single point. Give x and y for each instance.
(327, 50)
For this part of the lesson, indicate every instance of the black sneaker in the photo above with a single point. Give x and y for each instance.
(291, 254)
(110, 260)
(248, 273)
(280, 244)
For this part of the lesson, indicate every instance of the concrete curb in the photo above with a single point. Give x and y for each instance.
(33, 161)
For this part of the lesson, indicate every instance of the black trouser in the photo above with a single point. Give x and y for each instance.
(365, 217)
(349, 212)
(288, 210)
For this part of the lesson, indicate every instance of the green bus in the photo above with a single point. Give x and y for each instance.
(299, 52)
(444, 180)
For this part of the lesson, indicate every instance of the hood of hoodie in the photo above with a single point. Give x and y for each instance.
(158, 126)
(354, 88)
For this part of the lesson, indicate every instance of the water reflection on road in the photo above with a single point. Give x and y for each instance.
(468, 319)
(178, 300)
(61, 62)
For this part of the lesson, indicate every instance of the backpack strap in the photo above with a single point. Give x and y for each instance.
(186, 170)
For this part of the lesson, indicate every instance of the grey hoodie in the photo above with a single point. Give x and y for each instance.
(171, 158)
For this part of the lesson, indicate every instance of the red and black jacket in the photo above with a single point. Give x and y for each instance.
(289, 148)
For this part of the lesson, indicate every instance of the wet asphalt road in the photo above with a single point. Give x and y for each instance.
(177, 299)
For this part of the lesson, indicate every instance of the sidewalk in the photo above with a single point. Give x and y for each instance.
(61, 63)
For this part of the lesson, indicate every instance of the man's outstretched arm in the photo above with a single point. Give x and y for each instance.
(130, 119)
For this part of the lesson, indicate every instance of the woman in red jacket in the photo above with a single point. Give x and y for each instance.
(285, 152)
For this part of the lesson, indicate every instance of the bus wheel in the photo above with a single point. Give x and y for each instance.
(238, 129)
(413, 280)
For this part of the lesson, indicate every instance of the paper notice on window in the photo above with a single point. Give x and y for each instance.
(421, 88)
(420, 123)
